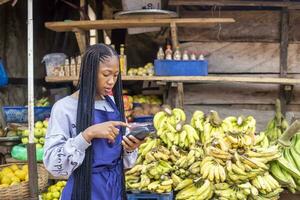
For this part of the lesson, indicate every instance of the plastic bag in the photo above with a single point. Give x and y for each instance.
(3, 75)
(54, 61)
(19, 152)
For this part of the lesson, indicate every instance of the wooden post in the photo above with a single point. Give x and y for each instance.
(174, 35)
(33, 175)
(180, 95)
(284, 42)
(81, 39)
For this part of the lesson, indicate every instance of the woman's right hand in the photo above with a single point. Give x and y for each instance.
(106, 130)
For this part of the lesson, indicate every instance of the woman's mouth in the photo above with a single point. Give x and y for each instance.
(108, 91)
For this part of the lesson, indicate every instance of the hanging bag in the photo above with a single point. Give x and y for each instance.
(3, 75)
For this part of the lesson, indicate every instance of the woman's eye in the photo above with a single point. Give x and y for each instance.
(106, 75)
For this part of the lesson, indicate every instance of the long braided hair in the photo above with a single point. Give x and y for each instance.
(87, 92)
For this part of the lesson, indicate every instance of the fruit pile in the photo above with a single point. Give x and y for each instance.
(54, 191)
(277, 125)
(13, 175)
(40, 129)
(286, 169)
(42, 102)
(144, 106)
(207, 158)
(147, 70)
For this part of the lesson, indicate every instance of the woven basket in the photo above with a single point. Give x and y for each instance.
(21, 191)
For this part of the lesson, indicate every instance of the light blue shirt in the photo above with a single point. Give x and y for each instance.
(63, 146)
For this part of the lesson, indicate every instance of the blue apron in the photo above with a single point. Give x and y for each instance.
(106, 164)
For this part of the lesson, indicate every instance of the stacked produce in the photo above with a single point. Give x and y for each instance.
(286, 169)
(13, 175)
(40, 129)
(54, 191)
(208, 158)
(147, 70)
(277, 125)
(42, 102)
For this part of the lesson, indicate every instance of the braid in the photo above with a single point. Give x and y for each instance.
(85, 115)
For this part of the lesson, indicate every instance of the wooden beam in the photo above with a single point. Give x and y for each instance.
(81, 39)
(291, 5)
(129, 23)
(284, 43)
(174, 35)
(197, 79)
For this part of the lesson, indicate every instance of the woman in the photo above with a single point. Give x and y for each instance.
(85, 137)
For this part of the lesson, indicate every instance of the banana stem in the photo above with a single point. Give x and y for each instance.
(285, 138)
(214, 118)
(278, 112)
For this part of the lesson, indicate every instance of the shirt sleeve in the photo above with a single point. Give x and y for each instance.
(62, 154)
(129, 159)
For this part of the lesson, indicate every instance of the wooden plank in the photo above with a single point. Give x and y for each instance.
(129, 23)
(195, 79)
(291, 5)
(250, 26)
(244, 57)
(231, 93)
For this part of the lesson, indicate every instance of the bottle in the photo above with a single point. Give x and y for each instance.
(78, 65)
(73, 67)
(123, 60)
(177, 54)
(193, 56)
(61, 71)
(67, 67)
(160, 54)
(168, 52)
(185, 55)
(201, 57)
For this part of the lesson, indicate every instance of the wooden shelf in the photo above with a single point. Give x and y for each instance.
(195, 79)
(290, 5)
(129, 23)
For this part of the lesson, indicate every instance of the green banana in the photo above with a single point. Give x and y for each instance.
(289, 167)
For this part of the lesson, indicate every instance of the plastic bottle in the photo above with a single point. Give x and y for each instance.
(168, 52)
(160, 54)
(123, 60)
(177, 54)
(185, 55)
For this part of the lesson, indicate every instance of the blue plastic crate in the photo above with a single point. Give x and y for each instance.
(149, 196)
(19, 114)
(146, 118)
(181, 67)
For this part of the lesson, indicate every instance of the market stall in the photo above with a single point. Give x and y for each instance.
(216, 133)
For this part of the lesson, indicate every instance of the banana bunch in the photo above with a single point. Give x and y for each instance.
(212, 170)
(198, 120)
(277, 125)
(240, 131)
(286, 169)
(261, 140)
(267, 186)
(146, 147)
(242, 191)
(183, 136)
(212, 127)
(194, 190)
(168, 116)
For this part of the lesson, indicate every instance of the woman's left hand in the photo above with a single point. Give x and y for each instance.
(131, 143)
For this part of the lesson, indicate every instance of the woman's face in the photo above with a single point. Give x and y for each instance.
(107, 75)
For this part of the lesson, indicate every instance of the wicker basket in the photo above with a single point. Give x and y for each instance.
(21, 191)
